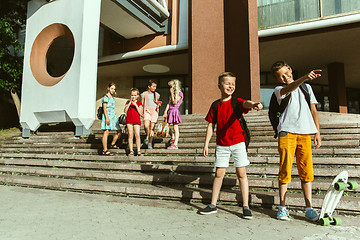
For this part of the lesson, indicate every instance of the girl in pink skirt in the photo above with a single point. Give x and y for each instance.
(172, 113)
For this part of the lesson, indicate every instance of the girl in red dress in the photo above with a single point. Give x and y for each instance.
(133, 110)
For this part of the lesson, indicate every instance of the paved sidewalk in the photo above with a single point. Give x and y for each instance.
(42, 214)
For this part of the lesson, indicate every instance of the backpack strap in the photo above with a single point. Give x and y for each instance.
(236, 108)
(305, 91)
(283, 104)
(215, 106)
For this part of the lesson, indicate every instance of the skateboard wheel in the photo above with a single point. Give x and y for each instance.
(340, 186)
(324, 221)
(337, 221)
(353, 185)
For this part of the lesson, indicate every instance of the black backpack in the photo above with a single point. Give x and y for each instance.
(275, 110)
(238, 115)
(100, 112)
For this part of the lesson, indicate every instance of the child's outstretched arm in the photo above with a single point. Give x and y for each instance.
(315, 115)
(295, 84)
(252, 105)
(209, 133)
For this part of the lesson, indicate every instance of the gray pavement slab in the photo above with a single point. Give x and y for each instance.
(27, 213)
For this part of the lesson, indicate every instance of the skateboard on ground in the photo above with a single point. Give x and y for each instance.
(332, 198)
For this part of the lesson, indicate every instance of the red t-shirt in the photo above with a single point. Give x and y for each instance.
(228, 129)
(132, 115)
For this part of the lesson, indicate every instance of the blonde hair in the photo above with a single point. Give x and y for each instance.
(223, 75)
(177, 85)
(135, 90)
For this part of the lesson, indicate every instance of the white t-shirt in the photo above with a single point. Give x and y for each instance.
(297, 117)
(151, 102)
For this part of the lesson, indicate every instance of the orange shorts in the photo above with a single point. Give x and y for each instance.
(151, 114)
(299, 145)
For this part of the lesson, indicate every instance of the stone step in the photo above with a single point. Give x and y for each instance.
(251, 118)
(152, 176)
(169, 192)
(268, 133)
(196, 160)
(333, 151)
(253, 169)
(262, 128)
(253, 144)
(183, 139)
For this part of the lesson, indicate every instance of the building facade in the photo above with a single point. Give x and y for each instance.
(216, 37)
(129, 42)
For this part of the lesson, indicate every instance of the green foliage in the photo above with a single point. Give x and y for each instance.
(12, 18)
(10, 64)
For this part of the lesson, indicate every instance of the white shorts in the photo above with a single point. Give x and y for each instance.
(238, 152)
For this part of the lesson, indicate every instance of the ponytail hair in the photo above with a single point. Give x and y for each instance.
(177, 87)
(151, 82)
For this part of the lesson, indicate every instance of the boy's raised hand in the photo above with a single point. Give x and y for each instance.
(314, 74)
(257, 106)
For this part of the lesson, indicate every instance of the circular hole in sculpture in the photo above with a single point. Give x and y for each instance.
(52, 54)
(59, 56)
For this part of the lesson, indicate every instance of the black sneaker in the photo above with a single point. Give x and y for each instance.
(247, 213)
(209, 210)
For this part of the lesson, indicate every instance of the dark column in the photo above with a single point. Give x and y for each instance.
(242, 46)
(337, 88)
(206, 52)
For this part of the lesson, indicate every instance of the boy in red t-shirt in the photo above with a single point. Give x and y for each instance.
(229, 141)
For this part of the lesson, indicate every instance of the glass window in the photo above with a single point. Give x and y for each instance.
(265, 94)
(332, 7)
(276, 12)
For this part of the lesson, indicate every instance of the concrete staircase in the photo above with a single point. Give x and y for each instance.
(58, 160)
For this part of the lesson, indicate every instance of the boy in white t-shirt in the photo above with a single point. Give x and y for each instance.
(296, 123)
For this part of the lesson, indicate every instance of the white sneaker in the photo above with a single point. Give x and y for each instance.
(150, 146)
(283, 214)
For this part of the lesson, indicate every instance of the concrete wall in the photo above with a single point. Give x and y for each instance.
(72, 96)
(123, 86)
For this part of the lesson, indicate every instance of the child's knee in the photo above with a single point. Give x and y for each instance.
(220, 173)
(241, 172)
